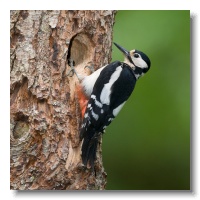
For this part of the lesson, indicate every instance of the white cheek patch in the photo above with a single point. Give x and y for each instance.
(139, 62)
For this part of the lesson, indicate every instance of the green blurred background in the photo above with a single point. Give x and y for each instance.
(147, 147)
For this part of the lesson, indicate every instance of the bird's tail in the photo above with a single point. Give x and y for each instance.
(89, 148)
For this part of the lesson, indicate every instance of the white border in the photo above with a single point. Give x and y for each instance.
(8, 5)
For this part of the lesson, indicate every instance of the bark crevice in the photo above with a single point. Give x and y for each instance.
(45, 114)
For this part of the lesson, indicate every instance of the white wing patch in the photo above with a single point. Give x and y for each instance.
(106, 91)
(89, 81)
(116, 110)
(98, 104)
(96, 117)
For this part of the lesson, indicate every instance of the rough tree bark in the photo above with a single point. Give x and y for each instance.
(45, 115)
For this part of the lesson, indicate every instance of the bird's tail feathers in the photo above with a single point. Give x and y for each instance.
(89, 148)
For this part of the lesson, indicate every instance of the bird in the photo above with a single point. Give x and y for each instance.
(102, 95)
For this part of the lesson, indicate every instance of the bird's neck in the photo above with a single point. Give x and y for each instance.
(136, 70)
(129, 63)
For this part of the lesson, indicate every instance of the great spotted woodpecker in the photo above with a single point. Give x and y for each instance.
(103, 94)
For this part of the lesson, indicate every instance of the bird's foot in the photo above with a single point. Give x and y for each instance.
(72, 71)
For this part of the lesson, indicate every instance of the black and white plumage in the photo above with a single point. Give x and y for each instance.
(108, 89)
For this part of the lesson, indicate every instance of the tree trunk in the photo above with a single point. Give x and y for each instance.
(45, 114)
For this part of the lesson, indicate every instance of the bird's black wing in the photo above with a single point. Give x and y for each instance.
(104, 105)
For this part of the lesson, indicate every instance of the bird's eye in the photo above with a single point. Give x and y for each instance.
(136, 55)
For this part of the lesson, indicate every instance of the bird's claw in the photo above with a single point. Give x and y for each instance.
(72, 71)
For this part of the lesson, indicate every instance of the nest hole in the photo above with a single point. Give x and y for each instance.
(80, 49)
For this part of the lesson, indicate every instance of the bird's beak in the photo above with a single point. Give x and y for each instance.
(124, 51)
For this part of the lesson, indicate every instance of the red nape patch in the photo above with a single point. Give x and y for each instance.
(83, 100)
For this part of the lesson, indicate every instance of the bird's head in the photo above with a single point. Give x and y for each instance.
(137, 60)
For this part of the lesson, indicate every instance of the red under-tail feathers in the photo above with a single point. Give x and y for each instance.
(82, 98)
